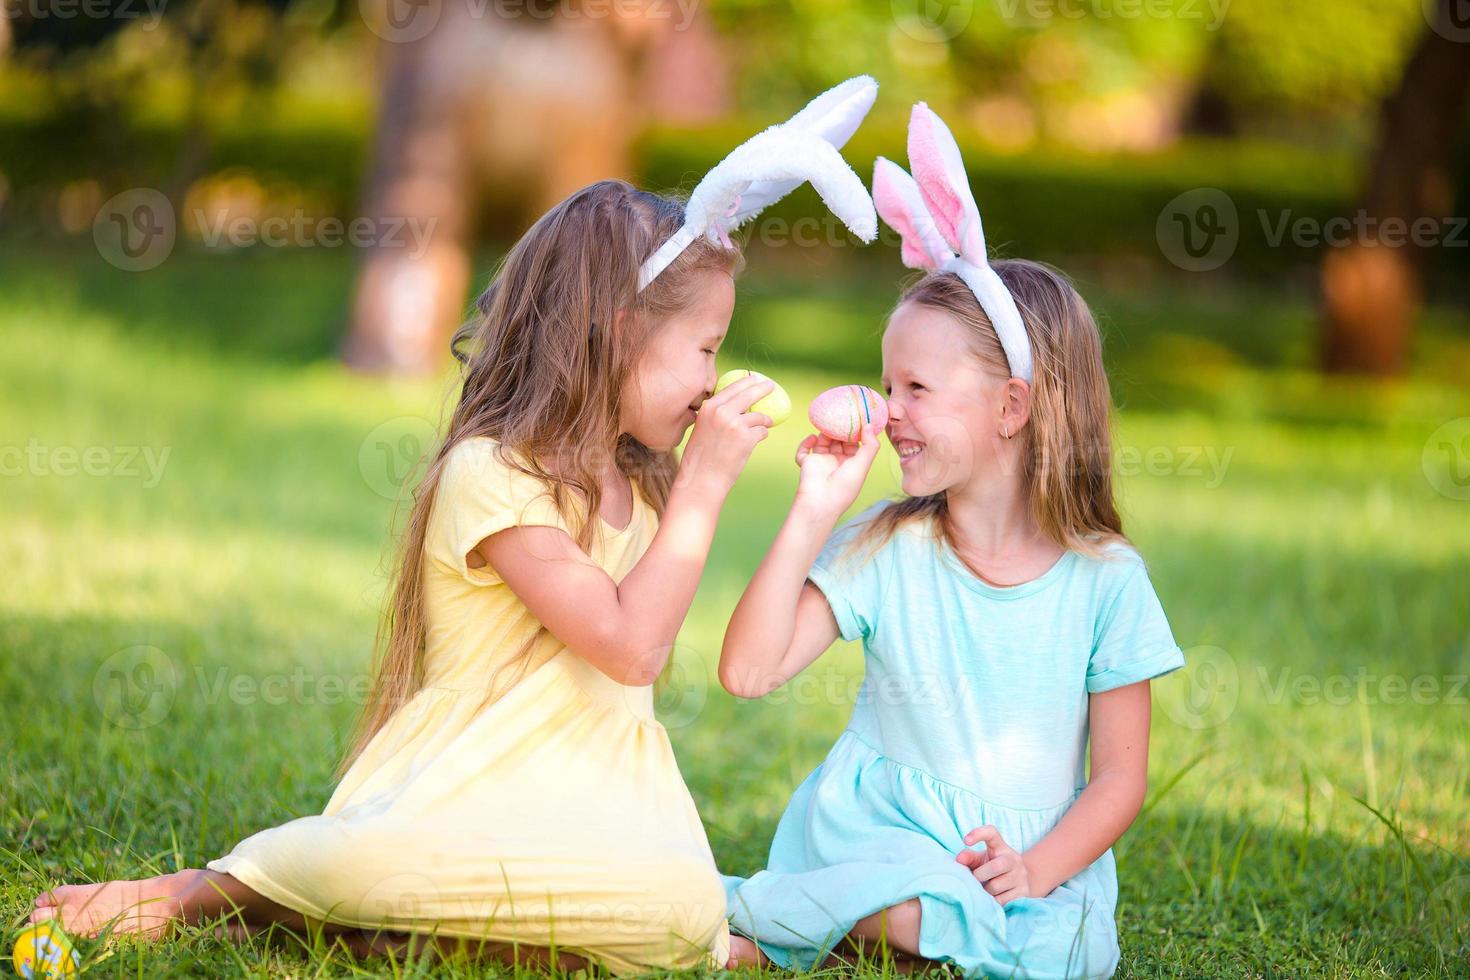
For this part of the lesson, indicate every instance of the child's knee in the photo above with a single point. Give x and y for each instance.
(676, 904)
(698, 899)
(904, 919)
(896, 923)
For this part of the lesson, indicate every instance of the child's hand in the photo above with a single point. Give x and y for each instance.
(1000, 868)
(832, 472)
(725, 433)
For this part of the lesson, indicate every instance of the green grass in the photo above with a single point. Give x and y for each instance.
(1287, 833)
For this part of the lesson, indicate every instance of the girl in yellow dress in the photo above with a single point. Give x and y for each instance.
(509, 784)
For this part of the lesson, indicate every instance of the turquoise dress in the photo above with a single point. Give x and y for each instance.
(972, 711)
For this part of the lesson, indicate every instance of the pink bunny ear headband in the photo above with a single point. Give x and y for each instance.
(935, 215)
(772, 164)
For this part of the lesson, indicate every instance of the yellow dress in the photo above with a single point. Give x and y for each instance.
(540, 805)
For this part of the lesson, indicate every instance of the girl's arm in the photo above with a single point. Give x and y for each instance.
(1118, 722)
(626, 629)
(782, 622)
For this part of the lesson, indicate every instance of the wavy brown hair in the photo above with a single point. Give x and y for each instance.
(544, 362)
(1066, 445)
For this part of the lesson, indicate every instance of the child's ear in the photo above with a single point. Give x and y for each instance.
(1015, 408)
(619, 323)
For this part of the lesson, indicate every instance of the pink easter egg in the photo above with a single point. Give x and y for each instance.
(841, 413)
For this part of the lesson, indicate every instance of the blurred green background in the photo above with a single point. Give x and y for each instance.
(205, 427)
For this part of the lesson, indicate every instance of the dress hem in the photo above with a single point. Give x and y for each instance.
(258, 881)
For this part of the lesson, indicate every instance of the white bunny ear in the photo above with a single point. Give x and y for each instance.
(899, 202)
(834, 116)
(771, 164)
(790, 156)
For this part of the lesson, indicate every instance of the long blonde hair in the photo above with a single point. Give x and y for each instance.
(544, 367)
(1066, 446)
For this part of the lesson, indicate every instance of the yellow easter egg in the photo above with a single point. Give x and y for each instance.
(43, 950)
(777, 404)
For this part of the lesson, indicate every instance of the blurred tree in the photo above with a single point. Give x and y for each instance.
(537, 99)
(1372, 288)
(1304, 70)
(113, 61)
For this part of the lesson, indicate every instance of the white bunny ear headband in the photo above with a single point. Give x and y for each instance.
(772, 164)
(935, 214)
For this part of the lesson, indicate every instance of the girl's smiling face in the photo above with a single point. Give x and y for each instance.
(945, 411)
(676, 372)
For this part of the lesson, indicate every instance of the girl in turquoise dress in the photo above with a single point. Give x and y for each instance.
(1004, 617)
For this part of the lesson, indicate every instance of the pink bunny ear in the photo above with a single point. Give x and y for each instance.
(940, 172)
(934, 211)
(899, 202)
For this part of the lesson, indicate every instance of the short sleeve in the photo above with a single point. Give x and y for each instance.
(1132, 641)
(850, 576)
(479, 494)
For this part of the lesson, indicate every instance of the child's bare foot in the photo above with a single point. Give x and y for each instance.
(743, 952)
(148, 907)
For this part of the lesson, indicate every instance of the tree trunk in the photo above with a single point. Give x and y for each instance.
(408, 295)
(1372, 290)
(530, 109)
